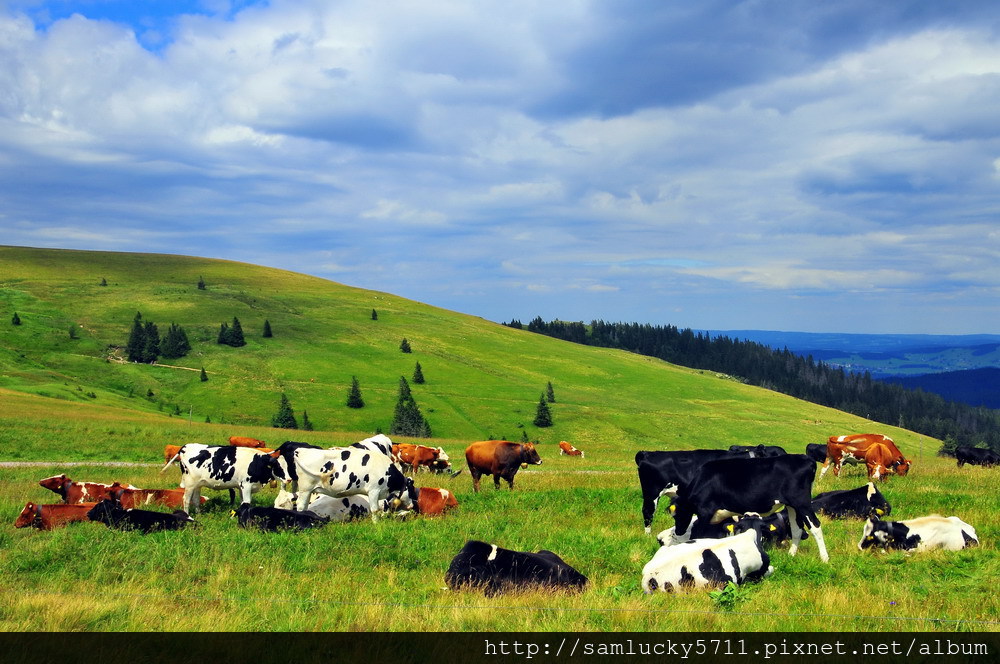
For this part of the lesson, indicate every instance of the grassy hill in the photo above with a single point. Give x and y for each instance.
(483, 380)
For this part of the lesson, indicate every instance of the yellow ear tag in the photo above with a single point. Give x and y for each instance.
(773, 527)
(232, 512)
(730, 528)
(879, 512)
(673, 508)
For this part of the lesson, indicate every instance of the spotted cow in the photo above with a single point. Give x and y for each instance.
(434, 502)
(74, 493)
(569, 450)
(226, 467)
(878, 452)
(418, 457)
(921, 534)
(347, 508)
(246, 441)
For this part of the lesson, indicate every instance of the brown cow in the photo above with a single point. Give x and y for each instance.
(566, 448)
(74, 493)
(47, 517)
(886, 459)
(499, 458)
(246, 441)
(433, 502)
(133, 498)
(420, 456)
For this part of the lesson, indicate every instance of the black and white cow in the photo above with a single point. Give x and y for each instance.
(661, 473)
(348, 508)
(272, 519)
(704, 563)
(496, 570)
(726, 487)
(921, 534)
(860, 503)
(226, 467)
(113, 515)
(286, 451)
(364, 468)
(774, 529)
(976, 456)
(816, 452)
(758, 451)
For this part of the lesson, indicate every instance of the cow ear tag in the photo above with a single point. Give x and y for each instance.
(773, 527)
(673, 508)
(879, 512)
(232, 513)
(730, 528)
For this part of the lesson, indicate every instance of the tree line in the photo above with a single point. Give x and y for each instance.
(784, 371)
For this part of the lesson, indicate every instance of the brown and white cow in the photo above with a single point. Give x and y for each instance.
(74, 493)
(432, 502)
(47, 517)
(246, 441)
(420, 456)
(885, 459)
(499, 458)
(133, 498)
(569, 450)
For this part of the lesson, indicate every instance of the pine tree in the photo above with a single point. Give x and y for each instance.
(151, 341)
(104, 282)
(374, 315)
(306, 424)
(16, 320)
(550, 394)
(72, 332)
(543, 416)
(267, 329)
(284, 418)
(135, 348)
(354, 399)
(224, 335)
(404, 346)
(236, 334)
(406, 419)
(418, 375)
(201, 284)
(204, 376)
(175, 343)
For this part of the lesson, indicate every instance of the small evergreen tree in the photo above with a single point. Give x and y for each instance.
(16, 320)
(208, 419)
(72, 332)
(284, 418)
(418, 375)
(374, 315)
(151, 341)
(224, 335)
(543, 416)
(267, 329)
(135, 348)
(204, 376)
(306, 424)
(404, 346)
(524, 436)
(354, 399)
(201, 284)
(406, 419)
(104, 282)
(236, 334)
(175, 343)
(550, 394)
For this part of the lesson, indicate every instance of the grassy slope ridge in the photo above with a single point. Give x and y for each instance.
(483, 379)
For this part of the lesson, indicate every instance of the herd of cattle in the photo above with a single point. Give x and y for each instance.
(729, 506)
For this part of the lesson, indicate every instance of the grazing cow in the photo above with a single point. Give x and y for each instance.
(816, 452)
(976, 456)
(860, 503)
(724, 487)
(499, 458)
(662, 473)
(348, 508)
(432, 502)
(113, 515)
(569, 450)
(496, 570)
(420, 456)
(132, 498)
(273, 519)
(758, 451)
(853, 447)
(921, 534)
(47, 517)
(246, 441)
(362, 468)
(704, 563)
(226, 467)
(74, 493)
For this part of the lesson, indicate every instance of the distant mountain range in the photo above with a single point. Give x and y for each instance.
(964, 368)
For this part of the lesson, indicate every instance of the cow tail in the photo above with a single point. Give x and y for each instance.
(172, 459)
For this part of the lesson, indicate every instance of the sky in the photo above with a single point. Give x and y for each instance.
(779, 165)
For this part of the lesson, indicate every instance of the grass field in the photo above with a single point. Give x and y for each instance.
(61, 401)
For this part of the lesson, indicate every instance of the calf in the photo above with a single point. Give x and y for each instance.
(496, 570)
(47, 517)
(348, 508)
(860, 503)
(421, 456)
(115, 516)
(433, 502)
(921, 534)
(976, 456)
(226, 467)
(74, 493)
(569, 450)
(725, 487)
(499, 458)
(708, 562)
(273, 519)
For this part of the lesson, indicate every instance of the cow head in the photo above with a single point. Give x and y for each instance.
(28, 515)
(900, 466)
(55, 483)
(404, 499)
(529, 455)
(878, 505)
(751, 521)
(876, 533)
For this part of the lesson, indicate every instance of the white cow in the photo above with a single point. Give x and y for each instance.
(921, 534)
(704, 563)
(225, 467)
(364, 468)
(347, 508)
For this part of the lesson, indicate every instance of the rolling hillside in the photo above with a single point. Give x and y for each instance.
(484, 380)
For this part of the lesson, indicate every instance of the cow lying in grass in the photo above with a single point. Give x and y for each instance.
(273, 519)
(921, 534)
(113, 515)
(496, 570)
(47, 517)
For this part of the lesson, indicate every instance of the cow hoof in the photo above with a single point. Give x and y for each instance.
(455, 474)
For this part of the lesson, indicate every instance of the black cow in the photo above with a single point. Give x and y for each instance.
(860, 503)
(758, 451)
(273, 519)
(724, 487)
(816, 452)
(662, 473)
(976, 456)
(773, 529)
(113, 515)
(496, 570)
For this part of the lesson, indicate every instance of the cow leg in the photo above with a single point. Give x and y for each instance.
(684, 522)
(192, 499)
(232, 498)
(475, 478)
(808, 520)
(826, 467)
(496, 481)
(246, 493)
